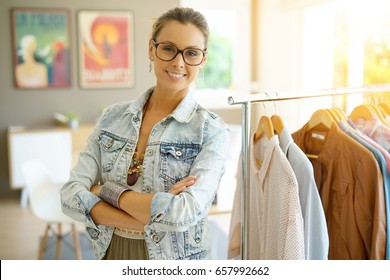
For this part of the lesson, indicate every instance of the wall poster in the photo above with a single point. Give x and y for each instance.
(106, 47)
(41, 48)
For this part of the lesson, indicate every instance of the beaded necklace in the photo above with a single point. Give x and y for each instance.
(135, 168)
(136, 165)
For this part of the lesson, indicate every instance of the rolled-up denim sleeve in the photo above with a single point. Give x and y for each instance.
(76, 198)
(178, 212)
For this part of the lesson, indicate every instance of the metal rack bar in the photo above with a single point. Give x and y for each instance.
(265, 97)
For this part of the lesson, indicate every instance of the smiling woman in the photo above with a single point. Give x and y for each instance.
(164, 47)
(150, 172)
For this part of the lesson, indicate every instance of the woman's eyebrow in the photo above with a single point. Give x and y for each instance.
(166, 42)
(171, 43)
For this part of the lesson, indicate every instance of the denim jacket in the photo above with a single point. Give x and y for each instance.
(190, 141)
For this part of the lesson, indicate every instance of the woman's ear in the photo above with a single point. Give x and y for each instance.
(150, 49)
(204, 60)
(203, 64)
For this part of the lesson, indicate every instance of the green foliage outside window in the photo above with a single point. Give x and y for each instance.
(218, 69)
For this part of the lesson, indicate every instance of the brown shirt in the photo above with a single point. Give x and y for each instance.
(351, 188)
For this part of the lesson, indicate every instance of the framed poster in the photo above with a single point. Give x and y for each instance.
(41, 48)
(106, 47)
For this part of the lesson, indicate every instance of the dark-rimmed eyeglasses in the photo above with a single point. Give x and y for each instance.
(168, 52)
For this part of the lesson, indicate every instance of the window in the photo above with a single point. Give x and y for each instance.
(227, 70)
(355, 38)
(219, 67)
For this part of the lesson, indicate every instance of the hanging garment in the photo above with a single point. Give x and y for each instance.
(374, 129)
(351, 189)
(316, 232)
(372, 142)
(385, 174)
(275, 229)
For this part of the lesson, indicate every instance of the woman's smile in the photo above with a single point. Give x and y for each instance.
(176, 76)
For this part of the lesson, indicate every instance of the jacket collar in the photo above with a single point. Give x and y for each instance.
(285, 140)
(183, 112)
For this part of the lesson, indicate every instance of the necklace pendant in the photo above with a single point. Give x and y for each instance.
(132, 178)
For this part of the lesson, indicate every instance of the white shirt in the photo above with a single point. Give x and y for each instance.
(275, 229)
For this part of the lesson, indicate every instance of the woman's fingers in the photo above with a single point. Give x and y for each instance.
(183, 184)
(190, 180)
(177, 190)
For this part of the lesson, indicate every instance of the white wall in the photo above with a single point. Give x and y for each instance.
(286, 58)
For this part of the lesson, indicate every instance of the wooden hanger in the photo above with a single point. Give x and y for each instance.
(379, 112)
(385, 107)
(277, 124)
(265, 127)
(334, 115)
(384, 115)
(362, 111)
(375, 110)
(342, 115)
(320, 116)
(323, 117)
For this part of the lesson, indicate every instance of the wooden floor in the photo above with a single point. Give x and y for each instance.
(20, 231)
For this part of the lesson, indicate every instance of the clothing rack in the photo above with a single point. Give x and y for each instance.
(246, 101)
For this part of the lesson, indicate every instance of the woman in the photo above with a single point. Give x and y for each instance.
(151, 169)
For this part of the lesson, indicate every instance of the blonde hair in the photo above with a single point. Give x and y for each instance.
(184, 16)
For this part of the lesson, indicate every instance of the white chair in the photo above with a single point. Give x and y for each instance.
(45, 203)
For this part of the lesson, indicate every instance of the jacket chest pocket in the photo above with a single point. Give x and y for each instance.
(177, 160)
(111, 147)
(340, 190)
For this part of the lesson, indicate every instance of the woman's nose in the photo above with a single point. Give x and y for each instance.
(178, 61)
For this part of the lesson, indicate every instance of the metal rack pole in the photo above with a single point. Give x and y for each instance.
(246, 112)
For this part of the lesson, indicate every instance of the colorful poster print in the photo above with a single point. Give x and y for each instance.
(41, 48)
(106, 49)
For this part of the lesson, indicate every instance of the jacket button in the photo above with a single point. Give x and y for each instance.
(93, 233)
(156, 238)
(149, 152)
(178, 153)
(197, 240)
(147, 189)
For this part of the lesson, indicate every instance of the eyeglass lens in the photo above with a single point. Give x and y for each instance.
(168, 52)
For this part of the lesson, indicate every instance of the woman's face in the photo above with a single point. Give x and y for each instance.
(176, 75)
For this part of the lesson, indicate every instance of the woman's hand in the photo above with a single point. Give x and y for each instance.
(182, 185)
(96, 189)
